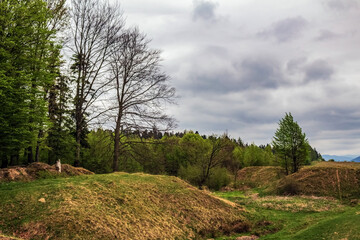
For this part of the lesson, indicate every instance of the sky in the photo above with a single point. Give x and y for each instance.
(240, 65)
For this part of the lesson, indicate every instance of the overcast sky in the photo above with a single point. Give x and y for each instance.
(240, 65)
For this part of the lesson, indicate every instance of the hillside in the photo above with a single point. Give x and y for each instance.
(356, 159)
(335, 179)
(114, 206)
(340, 180)
(259, 176)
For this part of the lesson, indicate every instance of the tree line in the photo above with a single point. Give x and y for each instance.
(211, 161)
(64, 67)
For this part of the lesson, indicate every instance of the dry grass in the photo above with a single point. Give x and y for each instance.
(340, 180)
(116, 206)
(259, 176)
(336, 179)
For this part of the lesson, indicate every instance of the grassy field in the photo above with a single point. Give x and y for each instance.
(297, 217)
(142, 206)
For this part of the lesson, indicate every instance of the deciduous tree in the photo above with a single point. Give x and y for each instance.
(139, 87)
(95, 27)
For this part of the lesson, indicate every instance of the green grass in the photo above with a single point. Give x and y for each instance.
(113, 206)
(297, 217)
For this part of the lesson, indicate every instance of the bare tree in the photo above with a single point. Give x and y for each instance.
(140, 88)
(216, 156)
(95, 25)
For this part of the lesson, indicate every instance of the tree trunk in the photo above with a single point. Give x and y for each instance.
(30, 155)
(4, 161)
(286, 166)
(295, 167)
(38, 142)
(116, 146)
(14, 159)
(78, 147)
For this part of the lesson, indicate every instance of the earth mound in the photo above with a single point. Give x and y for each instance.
(115, 206)
(339, 180)
(38, 170)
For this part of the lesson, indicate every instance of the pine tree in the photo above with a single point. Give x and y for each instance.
(291, 144)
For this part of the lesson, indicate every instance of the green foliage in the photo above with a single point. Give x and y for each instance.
(27, 53)
(219, 178)
(290, 144)
(253, 156)
(98, 157)
(191, 173)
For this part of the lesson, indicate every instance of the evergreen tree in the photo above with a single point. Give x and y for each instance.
(291, 144)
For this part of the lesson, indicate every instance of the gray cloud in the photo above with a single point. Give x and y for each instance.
(342, 5)
(261, 73)
(295, 65)
(286, 29)
(318, 70)
(204, 10)
(325, 35)
(224, 76)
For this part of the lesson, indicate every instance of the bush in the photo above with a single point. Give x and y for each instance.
(219, 178)
(191, 173)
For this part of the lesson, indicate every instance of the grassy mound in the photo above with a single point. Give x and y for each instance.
(38, 170)
(259, 176)
(340, 180)
(114, 206)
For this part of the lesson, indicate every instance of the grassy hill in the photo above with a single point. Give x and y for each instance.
(335, 179)
(114, 206)
(259, 176)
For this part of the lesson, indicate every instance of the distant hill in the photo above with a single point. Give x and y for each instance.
(356, 159)
(339, 158)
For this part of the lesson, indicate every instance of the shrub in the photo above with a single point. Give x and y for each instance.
(218, 179)
(288, 187)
